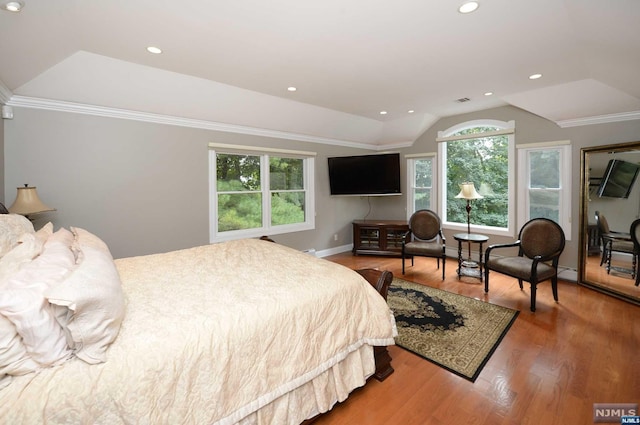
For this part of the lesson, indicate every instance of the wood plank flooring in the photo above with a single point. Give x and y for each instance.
(549, 369)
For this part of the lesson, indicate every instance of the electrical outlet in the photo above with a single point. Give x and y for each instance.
(335, 237)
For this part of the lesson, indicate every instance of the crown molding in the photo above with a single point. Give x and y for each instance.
(600, 119)
(78, 108)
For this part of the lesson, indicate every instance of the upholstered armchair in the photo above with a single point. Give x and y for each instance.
(540, 243)
(424, 238)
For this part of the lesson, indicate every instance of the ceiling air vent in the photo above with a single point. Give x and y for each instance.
(463, 99)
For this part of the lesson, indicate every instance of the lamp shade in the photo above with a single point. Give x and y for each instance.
(468, 191)
(27, 202)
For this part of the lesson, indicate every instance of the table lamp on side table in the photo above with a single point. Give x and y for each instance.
(468, 192)
(27, 202)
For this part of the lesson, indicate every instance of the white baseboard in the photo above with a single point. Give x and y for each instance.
(334, 250)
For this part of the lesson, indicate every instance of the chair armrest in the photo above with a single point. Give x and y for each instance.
(490, 248)
(406, 237)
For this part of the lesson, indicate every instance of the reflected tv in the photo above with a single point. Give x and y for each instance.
(618, 179)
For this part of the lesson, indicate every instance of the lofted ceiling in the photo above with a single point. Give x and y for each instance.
(227, 65)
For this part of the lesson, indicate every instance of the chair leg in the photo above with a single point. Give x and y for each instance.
(403, 263)
(533, 296)
(554, 288)
(444, 261)
(486, 279)
(520, 283)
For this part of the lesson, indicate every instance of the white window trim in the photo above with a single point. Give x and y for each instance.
(411, 158)
(506, 128)
(565, 190)
(266, 229)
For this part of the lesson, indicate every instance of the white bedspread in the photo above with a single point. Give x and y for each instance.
(211, 334)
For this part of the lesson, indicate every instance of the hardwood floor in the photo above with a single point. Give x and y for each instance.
(550, 368)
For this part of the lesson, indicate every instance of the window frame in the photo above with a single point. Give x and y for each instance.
(267, 228)
(506, 128)
(564, 146)
(411, 180)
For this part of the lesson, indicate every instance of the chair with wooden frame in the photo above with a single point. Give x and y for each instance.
(540, 243)
(424, 238)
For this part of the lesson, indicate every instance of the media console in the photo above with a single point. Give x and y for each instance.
(379, 237)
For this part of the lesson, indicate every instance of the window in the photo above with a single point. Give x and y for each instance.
(481, 152)
(256, 193)
(421, 179)
(545, 183)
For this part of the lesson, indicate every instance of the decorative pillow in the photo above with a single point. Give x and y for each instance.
(22, 301)
(90, 300)
(12, 226)
(29, 247)
(14, 359)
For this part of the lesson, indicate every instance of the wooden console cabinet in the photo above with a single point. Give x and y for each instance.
(379, 237)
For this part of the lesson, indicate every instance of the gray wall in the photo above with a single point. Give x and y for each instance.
(143, 187)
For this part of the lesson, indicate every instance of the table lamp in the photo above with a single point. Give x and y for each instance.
(468, 192)
(27, 202)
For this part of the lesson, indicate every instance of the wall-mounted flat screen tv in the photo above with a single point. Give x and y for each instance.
(365, 175)
(618, 179)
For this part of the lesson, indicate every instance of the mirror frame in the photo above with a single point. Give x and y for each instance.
(584, 220)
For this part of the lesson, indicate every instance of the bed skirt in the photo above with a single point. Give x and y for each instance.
(318, 395)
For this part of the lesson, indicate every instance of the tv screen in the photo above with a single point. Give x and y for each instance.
(365, 175)
(618, 179)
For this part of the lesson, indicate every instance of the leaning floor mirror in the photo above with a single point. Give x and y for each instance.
(610, 198)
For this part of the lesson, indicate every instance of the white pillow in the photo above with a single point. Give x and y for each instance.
(29, 247)
(92, 298)
(22, 301)
(12, 226)
(14, 359)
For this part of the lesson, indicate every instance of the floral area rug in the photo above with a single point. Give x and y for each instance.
(453, 331)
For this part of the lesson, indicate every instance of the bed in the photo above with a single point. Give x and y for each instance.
(246, 331)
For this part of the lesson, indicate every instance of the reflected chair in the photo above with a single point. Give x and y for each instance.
(424, 238)
(634, 232)
(540, 243)
(612, 242)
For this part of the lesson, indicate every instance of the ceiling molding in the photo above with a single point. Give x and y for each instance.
(78, 108)
(600, 119)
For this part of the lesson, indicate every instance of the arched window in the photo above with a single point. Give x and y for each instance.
(481, 152)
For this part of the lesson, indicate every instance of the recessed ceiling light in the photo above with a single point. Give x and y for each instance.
(13, 6)
(534, 76)
(468, 7)
(292, 88)
(410, 111)
(383, 112)
(489, 93)
(154, 50)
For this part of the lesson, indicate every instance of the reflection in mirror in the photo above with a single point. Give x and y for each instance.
(609, 203)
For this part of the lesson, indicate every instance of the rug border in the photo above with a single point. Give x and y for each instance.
(489, 353)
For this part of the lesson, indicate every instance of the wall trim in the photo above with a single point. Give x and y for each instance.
(79, 108)
(600, 119)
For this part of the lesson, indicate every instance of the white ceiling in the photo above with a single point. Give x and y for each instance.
(227, 64)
